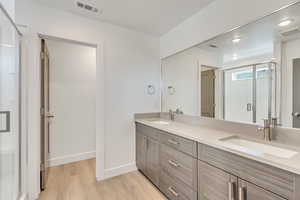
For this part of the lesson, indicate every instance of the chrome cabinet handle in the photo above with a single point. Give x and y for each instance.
(147, 143)
(231, 188)
(173, 163)
(242, 193)
(173, 142)
(171, 189)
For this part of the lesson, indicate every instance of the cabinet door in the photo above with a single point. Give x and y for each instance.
(249, 191)
(152, 161)
(141, 142)
(215, 184)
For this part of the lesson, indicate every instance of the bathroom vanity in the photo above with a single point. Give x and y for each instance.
(240, 136)
(189, 162)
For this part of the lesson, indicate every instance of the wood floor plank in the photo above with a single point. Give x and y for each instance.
(76, 181)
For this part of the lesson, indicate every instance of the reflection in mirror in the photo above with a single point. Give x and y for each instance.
(246, 75)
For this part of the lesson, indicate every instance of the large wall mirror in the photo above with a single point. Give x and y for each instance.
(246, 75)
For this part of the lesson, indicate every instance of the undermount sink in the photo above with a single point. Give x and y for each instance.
(256, 148)
(161, 122)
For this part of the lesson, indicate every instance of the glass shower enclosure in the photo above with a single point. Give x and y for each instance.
(249, 92)
(9, 108)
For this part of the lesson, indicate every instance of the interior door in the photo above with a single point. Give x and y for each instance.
(208, 93)
(45, 115)
(296, 93)
(238, 94)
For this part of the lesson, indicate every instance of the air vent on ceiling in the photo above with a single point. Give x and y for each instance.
(213, 46)
(290, 32)
(87, 7)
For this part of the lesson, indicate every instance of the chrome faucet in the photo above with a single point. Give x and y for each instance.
(179, 112)
(172, 113)
(267, 130)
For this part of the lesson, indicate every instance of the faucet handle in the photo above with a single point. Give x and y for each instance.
(267, 122)
(261, 128)
(275, 122)
(178, 111)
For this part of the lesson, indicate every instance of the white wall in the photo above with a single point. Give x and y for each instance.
(9, 6)
(72, 102)
(182, 72)
(218, 17)
(131, 62)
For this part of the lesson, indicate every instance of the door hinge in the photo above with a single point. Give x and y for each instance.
(42, 165)
(42, 111)
(42, 55)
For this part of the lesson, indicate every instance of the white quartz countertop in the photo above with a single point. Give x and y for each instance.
(213, 137)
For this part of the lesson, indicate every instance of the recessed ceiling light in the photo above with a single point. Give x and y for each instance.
(285, 22)
(236, 40)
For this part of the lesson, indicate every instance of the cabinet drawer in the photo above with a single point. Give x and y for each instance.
(185, 145)
(179, 165)
(146, 130)
(270, 178)
(174, 189)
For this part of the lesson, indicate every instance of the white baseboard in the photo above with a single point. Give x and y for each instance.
(123, 169)
(71, 158)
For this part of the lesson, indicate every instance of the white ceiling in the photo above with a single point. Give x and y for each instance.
(150, 16)
(256, 38)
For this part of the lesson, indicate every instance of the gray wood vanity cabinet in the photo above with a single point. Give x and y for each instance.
(272, 183)
(152, 160)
(147, 152)
(215, 184)
(169, 161)
(185, 170)
(141, 142)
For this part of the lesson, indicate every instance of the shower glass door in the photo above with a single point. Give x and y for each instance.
(263, 92)
(248, 93)
(238, 95)
(9, 109)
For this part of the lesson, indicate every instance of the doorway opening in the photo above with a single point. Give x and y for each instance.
(296, 93)
(68, 104)
(208, 77)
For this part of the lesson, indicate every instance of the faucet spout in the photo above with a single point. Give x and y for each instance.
(267, 130)
(171, 115)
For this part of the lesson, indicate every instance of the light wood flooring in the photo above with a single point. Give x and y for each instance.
(76, 181)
